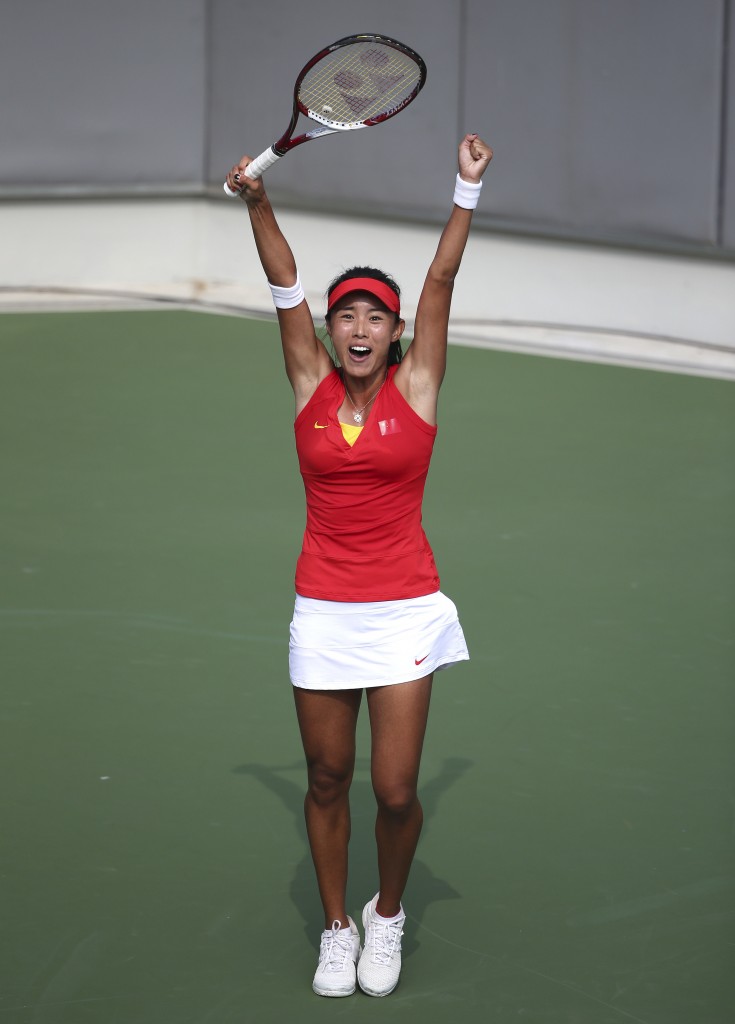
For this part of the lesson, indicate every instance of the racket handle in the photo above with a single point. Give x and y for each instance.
(256, 168)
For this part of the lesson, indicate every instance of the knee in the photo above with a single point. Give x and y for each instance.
(397, 800)
(328, 784)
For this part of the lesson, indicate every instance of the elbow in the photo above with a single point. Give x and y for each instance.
(442, 276)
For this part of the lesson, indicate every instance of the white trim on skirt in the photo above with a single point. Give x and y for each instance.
(338, 645)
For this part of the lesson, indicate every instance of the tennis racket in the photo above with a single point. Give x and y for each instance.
(357, 82)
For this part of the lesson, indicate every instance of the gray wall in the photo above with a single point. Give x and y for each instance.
(102, 94)
(728, 146)
(607, 111)
(611, 119)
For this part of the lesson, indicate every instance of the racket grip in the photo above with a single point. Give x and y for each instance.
(256, 168)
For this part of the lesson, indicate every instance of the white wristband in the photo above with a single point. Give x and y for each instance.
(466, 193)
(287, 298)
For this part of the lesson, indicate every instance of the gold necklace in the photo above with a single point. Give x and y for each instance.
(357, 413)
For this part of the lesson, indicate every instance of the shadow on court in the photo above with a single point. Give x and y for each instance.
(424, 887)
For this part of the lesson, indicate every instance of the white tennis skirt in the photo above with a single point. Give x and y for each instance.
(338, 645)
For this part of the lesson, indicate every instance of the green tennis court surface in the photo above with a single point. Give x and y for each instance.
(576, 866)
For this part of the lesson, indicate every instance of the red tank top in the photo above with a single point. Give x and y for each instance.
(363, 539)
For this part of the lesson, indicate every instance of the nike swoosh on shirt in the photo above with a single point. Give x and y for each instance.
(320, 426)
(417, 661)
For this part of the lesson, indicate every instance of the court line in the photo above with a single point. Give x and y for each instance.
(529, 970)
(581, 342)
(631, 908)
(149, 300)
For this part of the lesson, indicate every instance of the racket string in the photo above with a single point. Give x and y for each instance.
(358, 82)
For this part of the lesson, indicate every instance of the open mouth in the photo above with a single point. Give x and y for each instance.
(359, 351)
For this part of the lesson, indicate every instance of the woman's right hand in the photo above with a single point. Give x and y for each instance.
(250, 191)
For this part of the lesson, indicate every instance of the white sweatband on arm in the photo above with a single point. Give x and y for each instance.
(287, 298)
(466, 193)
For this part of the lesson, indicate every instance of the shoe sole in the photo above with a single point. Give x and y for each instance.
(378, 995)
(331, 993)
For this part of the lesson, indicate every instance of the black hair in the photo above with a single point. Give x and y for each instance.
(395, 352)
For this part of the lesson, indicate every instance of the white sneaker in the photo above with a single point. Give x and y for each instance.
(339, 951)
(380, 964)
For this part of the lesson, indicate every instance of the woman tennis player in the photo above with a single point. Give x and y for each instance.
(369, 614)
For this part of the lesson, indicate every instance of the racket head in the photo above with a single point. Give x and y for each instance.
(359, 81)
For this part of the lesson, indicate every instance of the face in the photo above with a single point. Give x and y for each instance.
(362, 329)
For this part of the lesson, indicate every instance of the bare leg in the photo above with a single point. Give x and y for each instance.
(327, 720)
(398, 717)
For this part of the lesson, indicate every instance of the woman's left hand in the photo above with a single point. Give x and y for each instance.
(474, 156)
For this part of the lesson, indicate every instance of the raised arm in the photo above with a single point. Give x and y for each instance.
(307, 360)
(422, 370)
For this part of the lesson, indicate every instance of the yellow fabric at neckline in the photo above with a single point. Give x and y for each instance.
(350, 432)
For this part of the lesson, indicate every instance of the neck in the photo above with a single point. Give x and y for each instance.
(362, 402)
(361, 388)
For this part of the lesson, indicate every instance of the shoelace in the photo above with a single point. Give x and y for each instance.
(385, 940)
(335, 948)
